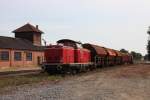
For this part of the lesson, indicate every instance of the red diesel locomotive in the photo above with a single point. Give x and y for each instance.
(66, 56)
(72, 56)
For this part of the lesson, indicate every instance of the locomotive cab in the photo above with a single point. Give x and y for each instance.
(81, 55)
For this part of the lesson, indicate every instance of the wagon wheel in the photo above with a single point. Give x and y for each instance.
(74, 71)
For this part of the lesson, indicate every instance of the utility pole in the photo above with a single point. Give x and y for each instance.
(44, 42)
(148, 46)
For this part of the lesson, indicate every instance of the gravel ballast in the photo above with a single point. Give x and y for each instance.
(118, 83)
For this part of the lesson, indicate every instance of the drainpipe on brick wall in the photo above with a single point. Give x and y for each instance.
(10, 57)
(24, 57)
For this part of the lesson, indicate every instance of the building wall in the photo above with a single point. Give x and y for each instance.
(25, 35)
(4, 63)
(23, 63)
(37, 39)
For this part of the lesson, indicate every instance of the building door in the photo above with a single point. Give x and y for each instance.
(39, 61)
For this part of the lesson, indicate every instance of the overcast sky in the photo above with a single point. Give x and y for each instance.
(112, 23)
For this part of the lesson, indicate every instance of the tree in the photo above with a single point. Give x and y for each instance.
(148, 50)
(136, 56)
(124, 51)
(146, 57)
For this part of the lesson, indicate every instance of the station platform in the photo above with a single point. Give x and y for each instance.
(12, 69)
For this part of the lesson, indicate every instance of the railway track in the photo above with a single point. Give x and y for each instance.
(20, 73)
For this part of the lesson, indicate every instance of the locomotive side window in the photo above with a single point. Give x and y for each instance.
(61, 44)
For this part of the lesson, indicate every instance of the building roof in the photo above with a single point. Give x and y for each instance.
(18, 43)
(27, 28)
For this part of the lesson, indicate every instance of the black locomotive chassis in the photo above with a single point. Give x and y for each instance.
(72, 67)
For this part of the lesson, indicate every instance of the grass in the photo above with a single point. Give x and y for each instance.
(29, 79)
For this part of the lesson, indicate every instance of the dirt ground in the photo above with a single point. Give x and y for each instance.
(127, 82)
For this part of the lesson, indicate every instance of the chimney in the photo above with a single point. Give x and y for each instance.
(37, 27)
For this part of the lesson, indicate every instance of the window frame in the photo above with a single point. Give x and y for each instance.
(29, 56)
(4, 55)
(16, 57)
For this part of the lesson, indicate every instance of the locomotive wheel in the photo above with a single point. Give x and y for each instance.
(92, 68)
(87, 69)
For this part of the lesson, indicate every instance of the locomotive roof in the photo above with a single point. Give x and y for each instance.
(68, 40)
(58, 46)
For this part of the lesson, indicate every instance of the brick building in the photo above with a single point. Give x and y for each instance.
(24, 49)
